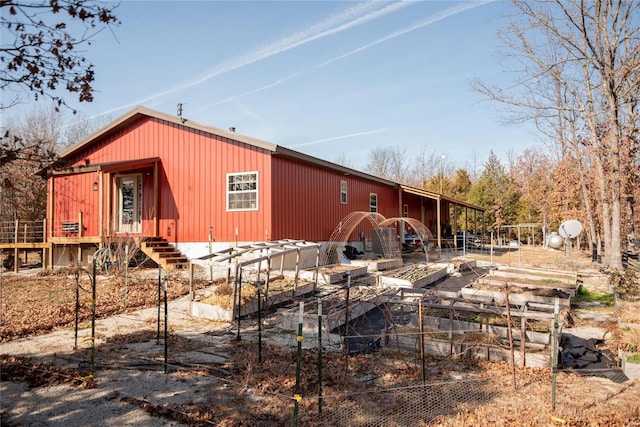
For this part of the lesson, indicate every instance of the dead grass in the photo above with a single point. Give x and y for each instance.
(248, 392)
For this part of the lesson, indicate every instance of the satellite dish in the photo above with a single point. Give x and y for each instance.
(570, 229)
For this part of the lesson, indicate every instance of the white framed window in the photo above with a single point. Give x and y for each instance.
(406, 211)
(373, 202)
(242, 191)
(343, 192)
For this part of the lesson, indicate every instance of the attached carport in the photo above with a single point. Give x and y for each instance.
(440, 213)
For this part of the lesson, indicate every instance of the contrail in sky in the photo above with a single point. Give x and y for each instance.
(430, 20)
(349, 18)
(333, 138)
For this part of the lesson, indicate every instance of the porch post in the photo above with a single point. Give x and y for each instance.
(455, 225)
(109, 208)
(156, 225)
(101, 205)
(80, 227)
(438, 206)
(51, 197)
(16, 253)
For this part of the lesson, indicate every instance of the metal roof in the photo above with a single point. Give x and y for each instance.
(139, 112)
(435, 196)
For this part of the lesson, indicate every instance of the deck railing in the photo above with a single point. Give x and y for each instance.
(22, 231)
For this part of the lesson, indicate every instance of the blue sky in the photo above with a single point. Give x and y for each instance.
(327, 78)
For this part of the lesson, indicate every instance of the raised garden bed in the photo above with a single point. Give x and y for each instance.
(466, 346)
(218, 305)
(567, 278)
(630, 363)
(537, 283)
(381, 264)
(458, 264)
(361, 300)
(330, 274)
(415, 276)
(518, 295)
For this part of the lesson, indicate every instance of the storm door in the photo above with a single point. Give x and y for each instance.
(129, 203)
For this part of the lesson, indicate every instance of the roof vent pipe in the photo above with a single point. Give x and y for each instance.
(232, 129)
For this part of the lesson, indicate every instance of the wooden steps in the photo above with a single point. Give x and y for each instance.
(162, 252)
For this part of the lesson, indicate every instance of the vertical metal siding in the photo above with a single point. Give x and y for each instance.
(296, 200)
(192, 180)
(306, 200)
(72, 195)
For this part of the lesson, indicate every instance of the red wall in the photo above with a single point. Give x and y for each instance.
(296, 200)
(306, 204)
(192, 179)
(72, 195)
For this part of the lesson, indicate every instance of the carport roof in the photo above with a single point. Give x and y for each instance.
(437, 196)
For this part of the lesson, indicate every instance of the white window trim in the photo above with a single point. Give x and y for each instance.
(371, 206)
(345, 192)
(405, 210)
(256, 191)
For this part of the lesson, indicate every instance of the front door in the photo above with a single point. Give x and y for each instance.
(129, 203)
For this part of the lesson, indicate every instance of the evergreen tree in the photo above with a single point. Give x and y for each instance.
(495, 192)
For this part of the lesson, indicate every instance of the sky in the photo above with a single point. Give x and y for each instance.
(332, 79)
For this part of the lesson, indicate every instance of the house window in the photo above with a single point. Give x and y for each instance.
(242, 191)
(343, 192)
(406, 211)
(373, 202)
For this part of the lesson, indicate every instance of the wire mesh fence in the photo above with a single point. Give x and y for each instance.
(405, 406)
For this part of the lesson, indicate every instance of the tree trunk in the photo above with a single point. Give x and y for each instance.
(606, 211)
(587, 202)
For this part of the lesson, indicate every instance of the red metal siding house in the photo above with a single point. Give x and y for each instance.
(152, 175)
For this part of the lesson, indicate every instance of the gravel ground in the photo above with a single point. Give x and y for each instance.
(63, 405)
(118, 393)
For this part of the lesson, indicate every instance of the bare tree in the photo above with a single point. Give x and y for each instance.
(341, 159)
(40, 54)
(389, 162)
(35, 137)
(427, 169)
(33, 141)
(80, 127)
(581, 63)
